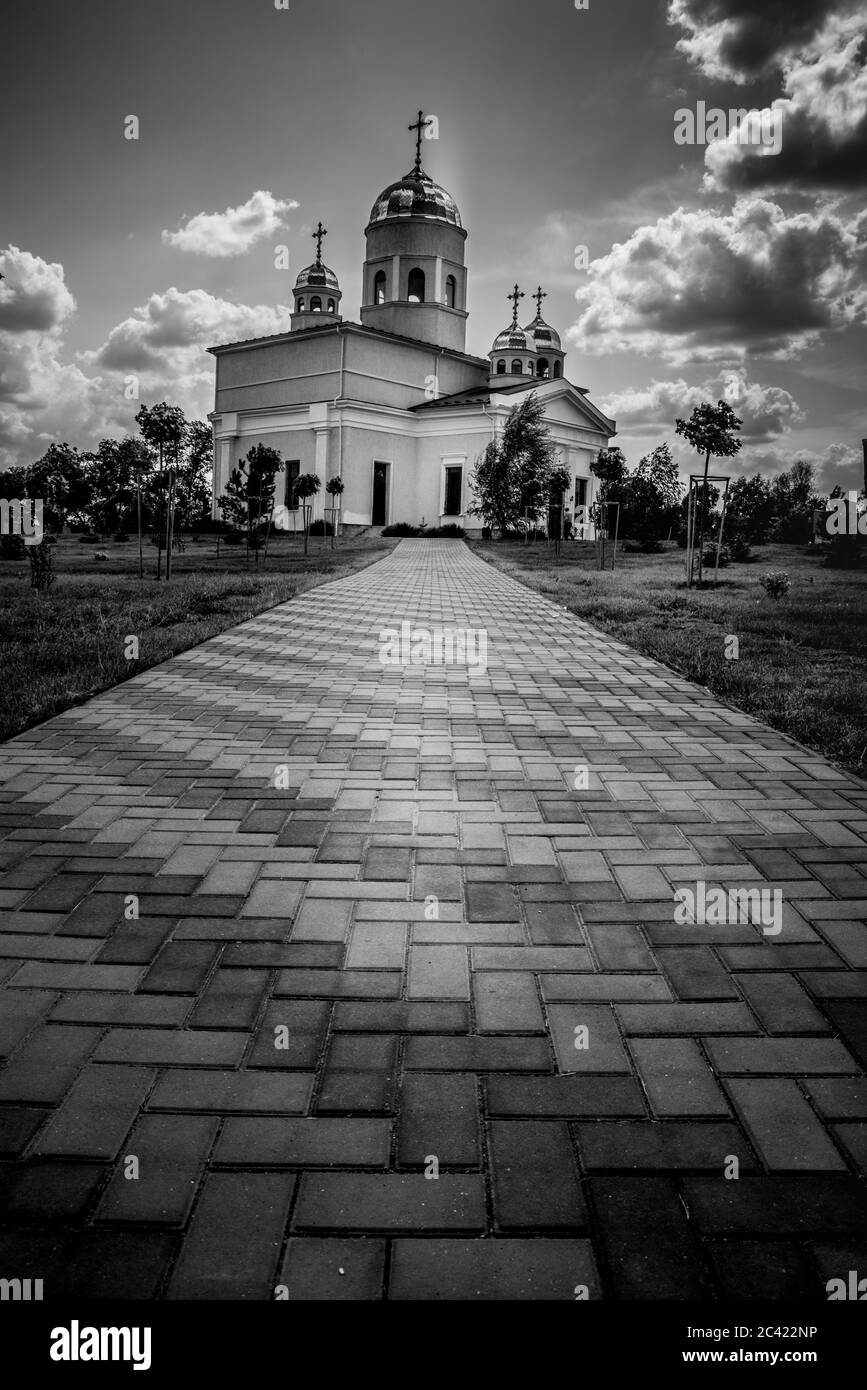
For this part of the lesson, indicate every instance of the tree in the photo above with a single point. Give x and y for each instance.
(111, 474)
(512, 475)
(750, 509)
(307, 485)
(335, 488)
(195, 474)
(651, 497)
(58, 477)
(793, 498)
(610, 468)
(164, 428)
(249, 494)
(711, 431)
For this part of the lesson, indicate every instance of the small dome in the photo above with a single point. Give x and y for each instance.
(513, 339)
(317, 276)
(416, 195)
(543, 335)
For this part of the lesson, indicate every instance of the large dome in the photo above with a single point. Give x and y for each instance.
(513, 339)
(416, 195)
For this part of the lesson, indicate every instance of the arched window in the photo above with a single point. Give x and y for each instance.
(556, 368)
(316, 305)
(517, 369)
(331, 306)
(501, 368)
(542, 367)
(451, 291)
(379, 287)
(300, 309)
(415, 286)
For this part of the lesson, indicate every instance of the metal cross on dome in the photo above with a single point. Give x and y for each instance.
(418, 126)
(317, 237)
(515, 295)
(539, 296)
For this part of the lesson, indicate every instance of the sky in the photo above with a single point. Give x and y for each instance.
(730, 270)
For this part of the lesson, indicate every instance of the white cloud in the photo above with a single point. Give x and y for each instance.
(766, 411)
(44, 398)
(234, 231)
(706, 286)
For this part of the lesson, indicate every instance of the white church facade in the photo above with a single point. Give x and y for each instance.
(394, 404)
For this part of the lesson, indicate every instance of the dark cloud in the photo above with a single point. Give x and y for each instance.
(744, 39)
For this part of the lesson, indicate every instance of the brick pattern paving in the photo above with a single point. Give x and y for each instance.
(375, 969)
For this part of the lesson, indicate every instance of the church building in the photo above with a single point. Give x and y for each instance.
(394, 404)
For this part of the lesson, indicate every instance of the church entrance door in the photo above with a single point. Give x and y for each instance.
(379, 509)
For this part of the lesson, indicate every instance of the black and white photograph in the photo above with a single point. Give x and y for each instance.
(433, 711)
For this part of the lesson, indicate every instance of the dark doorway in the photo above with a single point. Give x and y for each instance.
(379, 512)
(454, 490)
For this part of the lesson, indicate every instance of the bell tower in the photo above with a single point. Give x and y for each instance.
(414, 279)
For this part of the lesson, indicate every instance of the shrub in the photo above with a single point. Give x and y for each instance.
(451, 529)
(775, 584)
(233, 538)
(41, 570)
(709, 557)
(845, 553)
(401, 528)
(12, 548)
(120, 536)
(739, 547)
(321, 528)
(89, 538)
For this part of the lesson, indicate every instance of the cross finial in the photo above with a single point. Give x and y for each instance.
(515, 296)
(317, 237)
(418, 126)
(539, 296)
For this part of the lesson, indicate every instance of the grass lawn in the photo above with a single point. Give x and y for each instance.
(60, 648)
(802, 664)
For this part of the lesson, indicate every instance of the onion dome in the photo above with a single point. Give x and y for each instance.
(543, 335)
(416, 195)
(317, 276)
(513, 339)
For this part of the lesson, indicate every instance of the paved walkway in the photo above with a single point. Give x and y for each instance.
(425, 951)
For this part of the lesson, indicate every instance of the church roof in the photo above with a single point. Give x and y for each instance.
(554, 386)
(415, 195)
(346, 326)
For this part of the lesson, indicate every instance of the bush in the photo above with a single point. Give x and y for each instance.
(233, 538)
(12, 548)
(739, 547)
(401, 528)
(775, 584)
(709, 557)
(457, 532)
(643, 545)
(844, 553)
(120, 536)
(41, 567)
(321, 528)
(89, 538)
